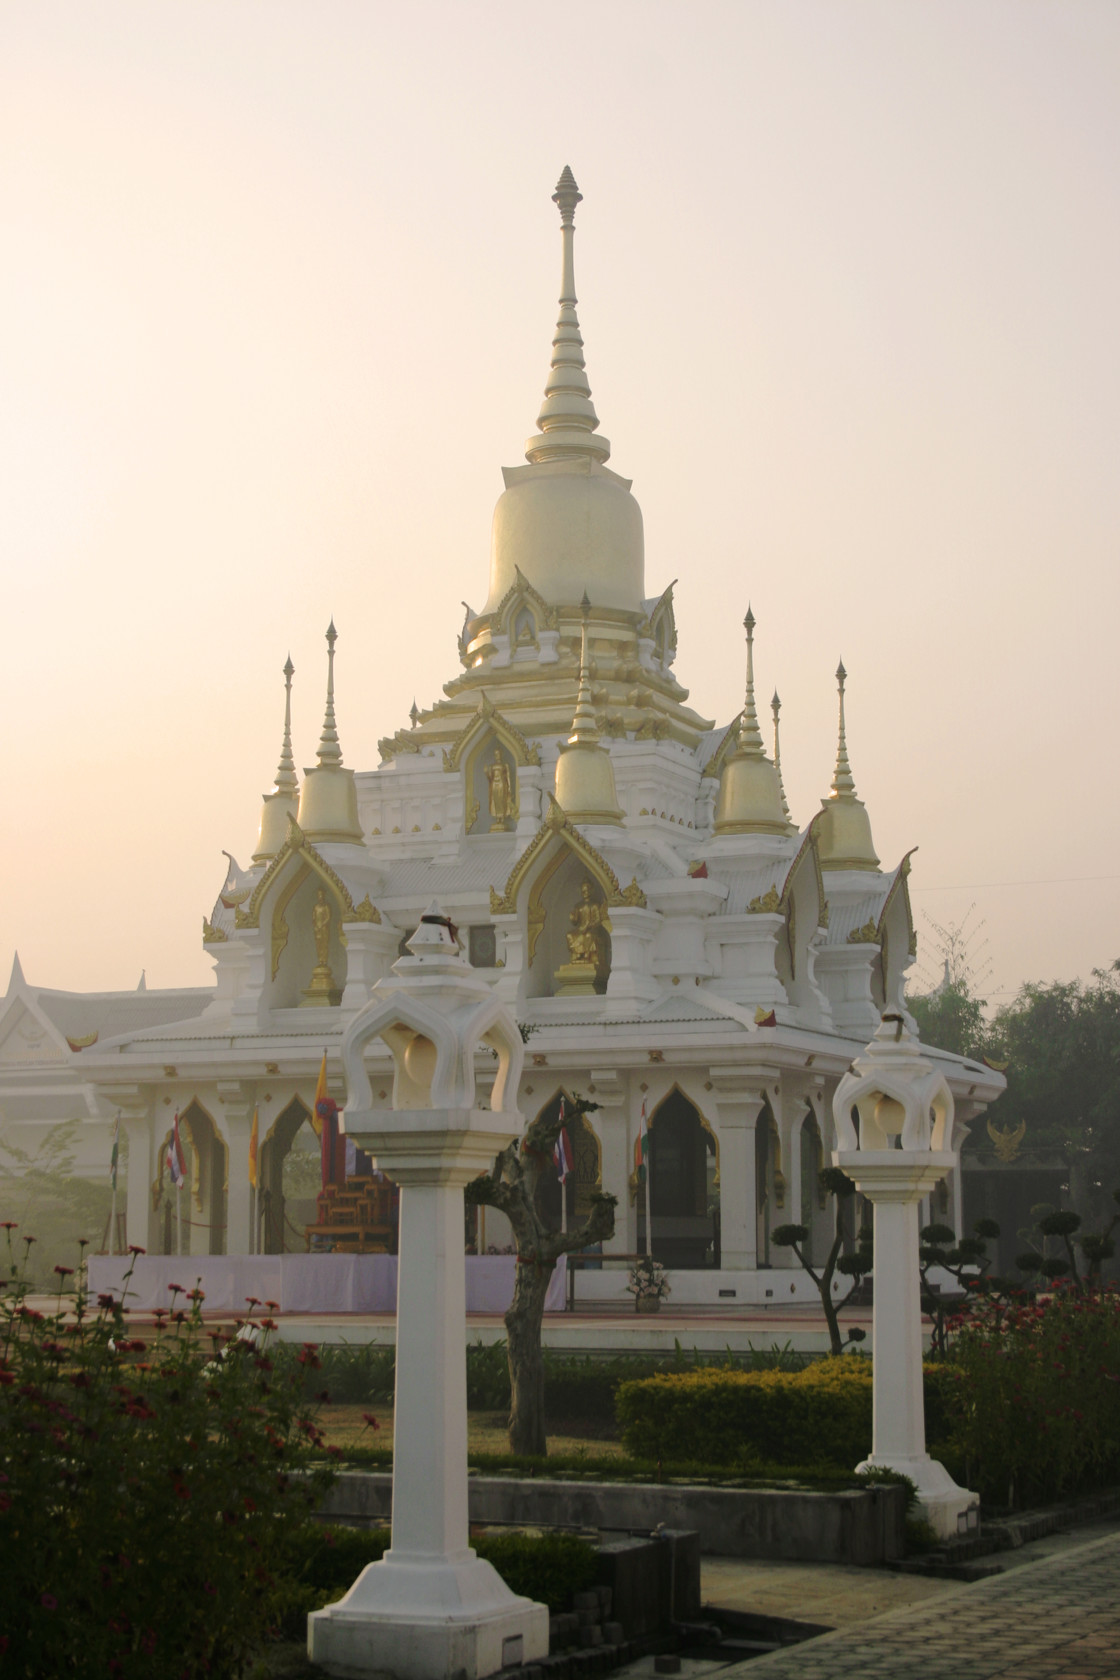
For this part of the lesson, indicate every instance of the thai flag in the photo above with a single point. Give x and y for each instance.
(176, 1160)
(562, 1151)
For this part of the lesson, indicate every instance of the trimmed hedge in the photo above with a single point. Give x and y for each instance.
(818, 1416)
(547, 1568)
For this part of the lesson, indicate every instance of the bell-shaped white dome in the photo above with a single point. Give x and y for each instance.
(573, 528)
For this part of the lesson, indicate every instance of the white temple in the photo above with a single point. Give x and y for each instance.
(627, 875)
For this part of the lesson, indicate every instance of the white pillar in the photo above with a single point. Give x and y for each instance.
(739, 1108)
(900, 1152)
(430, 1455)
(138, 1125)
(431, 1607)
(238, 1114)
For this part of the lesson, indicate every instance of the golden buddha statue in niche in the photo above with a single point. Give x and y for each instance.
(323, 990)
(501, 797)
(588, 964)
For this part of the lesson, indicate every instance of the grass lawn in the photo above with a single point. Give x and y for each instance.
(344, 1426)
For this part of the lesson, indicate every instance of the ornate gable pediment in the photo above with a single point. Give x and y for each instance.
(27, 1036)
(661, 624)
(488, 719)
(807, 857)
(299, 847)
(521, 593)
(557, 826)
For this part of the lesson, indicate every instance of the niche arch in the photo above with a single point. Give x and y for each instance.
(473, 752)
(684, 1191)
(202, 1202)
(586, 1176)
(273, 1213)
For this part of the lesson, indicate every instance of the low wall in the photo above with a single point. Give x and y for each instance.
(852, 1526)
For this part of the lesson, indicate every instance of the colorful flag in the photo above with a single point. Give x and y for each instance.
(254, 1143)
(326, 1112)
(562, 1153)
(641, 1147)
(115, 1156)
(176, 1160)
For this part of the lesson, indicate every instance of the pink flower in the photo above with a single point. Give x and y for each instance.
(48, 1601)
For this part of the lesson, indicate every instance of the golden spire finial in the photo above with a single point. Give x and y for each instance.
(750, 736)
(286, 779)
(843, 785)
(330, 752)
(567, 418)
(775, 707)
(585, 731)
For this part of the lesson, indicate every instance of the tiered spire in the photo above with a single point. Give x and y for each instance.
(845, 831)
(280, 804)
(328, 806)
(330, 753)
(585, 789)
(843, 784)
(775, 707)
(567, 418)
(750, 795)
(286, 778)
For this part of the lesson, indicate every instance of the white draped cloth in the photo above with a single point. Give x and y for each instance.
(300, 1283)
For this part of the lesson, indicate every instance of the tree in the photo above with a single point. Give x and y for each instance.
(967, 1260)
(855, 1266)
(1061, 1042)
(48, 1199)
(950, 1018)
(511, 1187)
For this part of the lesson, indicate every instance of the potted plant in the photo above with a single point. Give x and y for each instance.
(648, 1284)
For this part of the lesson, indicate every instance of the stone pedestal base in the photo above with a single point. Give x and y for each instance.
(950, 1510)
(426, 1621)
(576, 980)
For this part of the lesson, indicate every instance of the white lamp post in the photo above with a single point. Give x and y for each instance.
(431, 1608)
(900, 1152)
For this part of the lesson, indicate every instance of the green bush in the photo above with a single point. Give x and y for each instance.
(819, 1415)
(149, 1490)
(350, 1373)
(547, 1568)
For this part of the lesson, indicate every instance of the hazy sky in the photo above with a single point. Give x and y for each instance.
(276, 294)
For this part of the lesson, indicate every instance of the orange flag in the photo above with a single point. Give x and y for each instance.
(253, 1145)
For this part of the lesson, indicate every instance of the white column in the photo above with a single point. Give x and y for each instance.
(899, 1421)
(238, 1112)
(430, 1456)
(739, 1108)
(138, 1124)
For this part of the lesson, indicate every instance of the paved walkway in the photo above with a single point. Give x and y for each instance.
(1057, 1619)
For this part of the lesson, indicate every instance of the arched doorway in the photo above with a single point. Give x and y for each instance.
(199, 1208)
(683, 1186)
(289, 1178)
(585, 1177)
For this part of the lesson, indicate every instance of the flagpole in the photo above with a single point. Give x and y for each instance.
(114, 1247)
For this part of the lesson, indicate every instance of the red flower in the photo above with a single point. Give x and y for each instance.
(273, 1306)
(65, 1271)
(370, 1421)
(48, 1601)
(134, 1248)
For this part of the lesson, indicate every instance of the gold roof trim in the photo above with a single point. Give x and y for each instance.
(488, 716)
(727, 746)
(522, 590)
(557, 825)
(298, 845)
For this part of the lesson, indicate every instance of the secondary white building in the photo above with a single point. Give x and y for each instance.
(625, 872)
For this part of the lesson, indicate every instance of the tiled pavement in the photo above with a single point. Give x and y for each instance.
(1058, 1619)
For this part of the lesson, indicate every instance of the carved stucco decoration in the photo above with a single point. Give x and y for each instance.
(297, 845)
(488, 718)
(766, 904)
(868, 934)
(521, 593)
(557, 826)
(212, 935)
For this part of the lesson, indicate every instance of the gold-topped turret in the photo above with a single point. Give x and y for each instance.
(750, 794)
(328, 806)
(844, 835)
(585, 789)
(281, 803)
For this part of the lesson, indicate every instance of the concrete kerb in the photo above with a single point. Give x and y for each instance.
(841, 1653)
